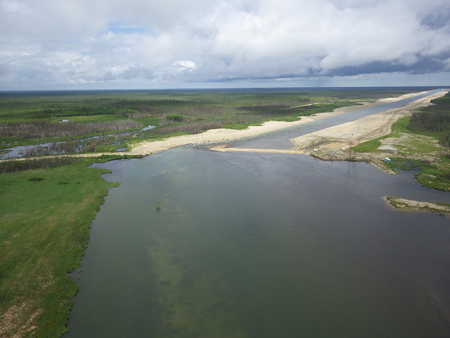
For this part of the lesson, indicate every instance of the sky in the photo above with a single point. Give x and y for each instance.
(149, 44)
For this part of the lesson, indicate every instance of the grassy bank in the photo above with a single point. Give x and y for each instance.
(45, 216)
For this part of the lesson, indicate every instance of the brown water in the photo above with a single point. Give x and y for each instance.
(262, 245)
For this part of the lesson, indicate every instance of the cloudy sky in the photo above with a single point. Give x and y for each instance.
(90, 44)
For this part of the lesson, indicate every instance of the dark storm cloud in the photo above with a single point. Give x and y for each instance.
(425, 65)
(438, 18)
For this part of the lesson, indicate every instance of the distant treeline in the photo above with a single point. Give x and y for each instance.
(191, 128)
(50, 104)
(36, 129)
(43, 163)
(434, 118)
(44, 110)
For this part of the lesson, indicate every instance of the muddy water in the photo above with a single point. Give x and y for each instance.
(262, 245)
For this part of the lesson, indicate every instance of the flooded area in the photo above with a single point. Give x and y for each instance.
(196, 243)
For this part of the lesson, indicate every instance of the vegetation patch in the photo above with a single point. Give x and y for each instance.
(405, 205)
(429, 175)
(36, 179)
(433, 120)
(369, 146)
(43, 163)
(46, 129)
(174, 117)
(409, 143)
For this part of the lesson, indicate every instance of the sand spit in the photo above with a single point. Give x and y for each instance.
(405, 205)
(223, 149)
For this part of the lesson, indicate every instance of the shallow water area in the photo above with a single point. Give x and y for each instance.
(195, 243)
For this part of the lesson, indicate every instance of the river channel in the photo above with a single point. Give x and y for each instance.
(195, 243)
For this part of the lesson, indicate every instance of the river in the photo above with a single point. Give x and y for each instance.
(195, 243)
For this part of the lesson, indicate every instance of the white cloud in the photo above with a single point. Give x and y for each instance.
(51, 42)
(183, 65)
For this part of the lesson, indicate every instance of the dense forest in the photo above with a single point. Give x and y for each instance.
(434, 119)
